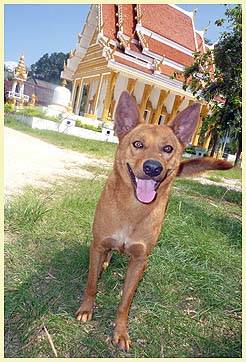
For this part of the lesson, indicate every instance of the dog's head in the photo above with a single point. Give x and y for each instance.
(149, 154)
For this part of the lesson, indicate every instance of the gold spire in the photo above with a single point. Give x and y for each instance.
(63, 82)
(20, 70)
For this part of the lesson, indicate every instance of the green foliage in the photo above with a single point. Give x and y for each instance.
(32, 111)
(49, 68)
(192, 150)
(217, 75)
(78, 123)
(9, 108)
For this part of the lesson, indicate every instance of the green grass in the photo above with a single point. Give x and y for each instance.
(233, 173)
(94, 148)
(33, 111)
(187, 305)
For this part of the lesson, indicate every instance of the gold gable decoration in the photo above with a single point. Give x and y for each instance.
(139, 14)
(94, 38)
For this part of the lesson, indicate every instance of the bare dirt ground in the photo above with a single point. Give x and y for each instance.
(230, 184)
(30, 161)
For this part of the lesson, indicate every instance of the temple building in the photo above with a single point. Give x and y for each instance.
(135, 48)
(16, 94)
(21, 89)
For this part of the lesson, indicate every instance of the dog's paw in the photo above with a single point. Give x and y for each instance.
(84, 313)
(83, 316)
(121, 339)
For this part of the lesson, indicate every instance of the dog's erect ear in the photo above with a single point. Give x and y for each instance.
(198, 165)
(185, 123)
(126, 115)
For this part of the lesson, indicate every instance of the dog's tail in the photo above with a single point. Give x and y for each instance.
(196, 166)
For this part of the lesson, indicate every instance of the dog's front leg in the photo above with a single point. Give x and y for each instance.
(97, 257)
(135, 271)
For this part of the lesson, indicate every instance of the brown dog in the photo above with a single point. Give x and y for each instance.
(132, 205)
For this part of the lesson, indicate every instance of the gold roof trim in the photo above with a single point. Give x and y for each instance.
(142, 39)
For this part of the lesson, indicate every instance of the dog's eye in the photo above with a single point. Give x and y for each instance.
(168, 148)
(138, 144)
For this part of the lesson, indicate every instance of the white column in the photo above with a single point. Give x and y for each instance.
(78, 101)
(14, 86)
(21, 89)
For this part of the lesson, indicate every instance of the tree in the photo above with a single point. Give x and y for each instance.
(49, 68)
(208, 41)
(216, 76)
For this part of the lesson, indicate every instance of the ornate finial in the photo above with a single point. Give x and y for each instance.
(207, 27)
(157, 64)
(195, 11)
(20, 71)
(142, 39)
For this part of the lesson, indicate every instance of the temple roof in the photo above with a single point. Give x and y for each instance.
(170, 22)
(156, 39)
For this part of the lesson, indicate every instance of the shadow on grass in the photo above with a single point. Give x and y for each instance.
(210, 347)
(52, 294)
(54, 291)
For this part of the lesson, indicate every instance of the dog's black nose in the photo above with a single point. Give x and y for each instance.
(152, 168)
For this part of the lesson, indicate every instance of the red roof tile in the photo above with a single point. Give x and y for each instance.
(132, 65)
(109, 20)
(136, 47)
(129, 22)
(166, 70)
(171, 53)
(170, 23)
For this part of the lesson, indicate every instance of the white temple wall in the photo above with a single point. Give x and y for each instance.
(102, 95)
(154, 97)
(169, 102)
(120, 86)
(93, 88)
(138, 91)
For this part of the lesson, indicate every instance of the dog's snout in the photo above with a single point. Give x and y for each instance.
(152, 168)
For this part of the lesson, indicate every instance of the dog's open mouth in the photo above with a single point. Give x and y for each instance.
(145, 189)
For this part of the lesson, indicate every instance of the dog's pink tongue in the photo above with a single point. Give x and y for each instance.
(145, 190)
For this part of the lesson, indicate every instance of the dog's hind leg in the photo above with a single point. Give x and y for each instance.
(97, 256)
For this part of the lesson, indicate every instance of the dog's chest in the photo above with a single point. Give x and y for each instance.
(121, 238)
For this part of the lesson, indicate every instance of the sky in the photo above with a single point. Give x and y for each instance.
(38, 29)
